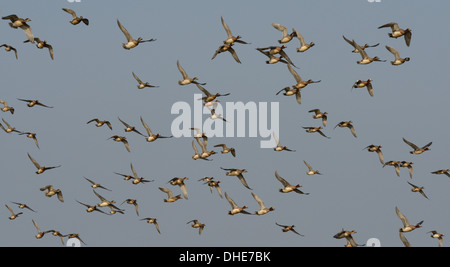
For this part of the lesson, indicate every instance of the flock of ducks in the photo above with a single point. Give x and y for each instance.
(18, 22)
(275, 54)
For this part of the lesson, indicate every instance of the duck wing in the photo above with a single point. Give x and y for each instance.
(125, 32)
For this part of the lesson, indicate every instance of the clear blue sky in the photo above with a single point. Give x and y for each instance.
(91, 77)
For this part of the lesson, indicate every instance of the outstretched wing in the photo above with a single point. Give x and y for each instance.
(232, 203)
(404, 240)
(282, 181)
(203, 90)
(294, 73)
(137, 78)
(36, 225)
(352, 129)
(281, 28)
(7, 124)
(411, 144)
(195, 148)
(284, 226)
(380, 156)
(307, 165)
(34, 162)
(348, 41)
(100, 197)
(393, 51)
(149, 132)
(408, 38)
(60, 196)
(427, 145)
(283, 54)
(183, 73)
(124, 123)
(167, 191)
(394, 26)
(259, 200)
(242, 179)
(300, 38)
(234, 54)
(134, 171)
(71, 12)
(276, 139)
(10, 210)
(227, 29)
(125, 32)
(402, 217)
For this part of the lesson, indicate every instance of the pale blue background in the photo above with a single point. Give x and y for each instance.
(91, 77)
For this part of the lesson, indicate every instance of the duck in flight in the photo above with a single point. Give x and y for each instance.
(365, 59)
(407, 226)
(347, 124)
(226, 149)
(122, 139)
(141, 84)
(366, 83)
(43, 44)
(150, 135)
(197, 224)
(398, 32)
(362, 47)
(273, 50)
(131, 42)
(230, 37)
(51, 191)
(100, 123)
(75, 19)
(375, 148)
(287, 228)
(8, 128)
(419, 189)
(417, 150)
(279, 147)
(320, 115)
(41, 169)
(9, 48)
(262, 208)
(32, 136)
(304, 46)
(17, 22)
(33, 102)
(225, 48)
(5, 107)
(315, 130)
(397, 59)
(235, 209)
(287, 187)
(186, 79)
(274, 59)
(287, 37)
(238, 173)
